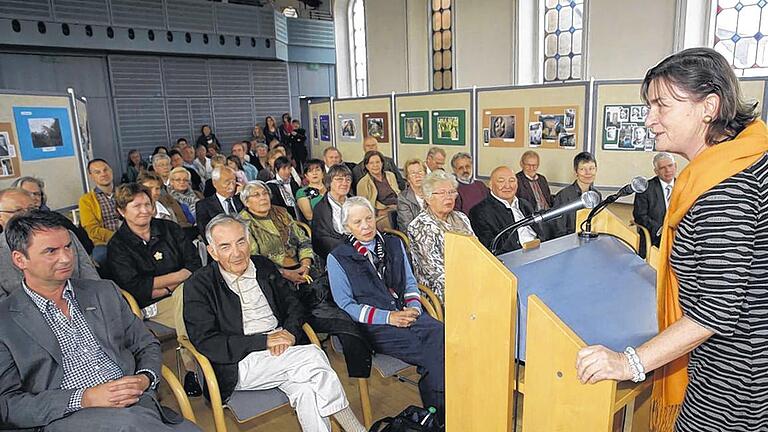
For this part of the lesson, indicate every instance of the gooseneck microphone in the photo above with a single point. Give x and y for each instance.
(637, 185)
(588, 199)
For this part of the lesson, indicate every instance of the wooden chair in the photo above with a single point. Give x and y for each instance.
(434, 302)
(244, 405)
(170, 378)
(305, 227)
(385, 365)
(400, 234)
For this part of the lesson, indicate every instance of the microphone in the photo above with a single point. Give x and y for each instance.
(637, 185)
(588, 199)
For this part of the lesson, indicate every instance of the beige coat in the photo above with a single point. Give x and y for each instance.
(367, 188)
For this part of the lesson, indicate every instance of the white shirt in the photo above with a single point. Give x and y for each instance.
(336, 208)
(526, 233)
(664, 190)
(161, 212)
(204, 170)
(257, 314)
(419, 200)
(223, 202)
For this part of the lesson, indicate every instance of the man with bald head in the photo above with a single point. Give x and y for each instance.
(371, 144)
(501, 209)
(17, 201)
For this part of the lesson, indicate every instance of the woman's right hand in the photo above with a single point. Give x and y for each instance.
(403, 318)
(293, 276)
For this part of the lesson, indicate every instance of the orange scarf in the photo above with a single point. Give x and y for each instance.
(710, 168)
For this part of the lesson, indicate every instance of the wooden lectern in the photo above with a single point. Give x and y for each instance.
(572, 293)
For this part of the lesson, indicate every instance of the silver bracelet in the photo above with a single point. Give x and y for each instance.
(637, 369)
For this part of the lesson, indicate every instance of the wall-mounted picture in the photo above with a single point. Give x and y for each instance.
(414, 127)
(348, 127)
(6, 148)
(6, 168)
(315, 127)
(567, 140)
(9, 157)
(44, 133)
(624, 128)
(570, 118)
(534, 134)
(559, 126)
(325, 127)
(448, 127)
(486, 136)
(505, 126)
(376, 124)
(551, 126)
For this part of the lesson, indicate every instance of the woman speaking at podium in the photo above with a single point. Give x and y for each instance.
(710, 359)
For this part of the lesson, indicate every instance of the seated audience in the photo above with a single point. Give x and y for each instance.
(241, 150)
(650, 207)
(271, 132)
(332, 156)
(308, 196)
(327, 231)
(188, 154)
(177, 161)
(223, 201)
(380, 188)
(470, 191)
(237, 166)
(411, 202)
(134, 166)
(161, 164)
(585, 167)
(435, 159)
(500, 210)
(183, 193)
(216, 161)
(372, 281)
(202, 162)
(283, 186)
(213, 150)
(262, 350)
(427, 230)
(17, 201)
(532, 186)
(98, 214)
(158, 149)
(370, 144)
(268, 173)
(274, 143)
(208, 138)
(260, 161)
(111, 363)
(166, 207)
(257, 134)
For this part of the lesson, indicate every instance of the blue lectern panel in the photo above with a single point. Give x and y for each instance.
(603, 291)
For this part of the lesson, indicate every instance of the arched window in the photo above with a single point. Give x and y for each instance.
(358, 49)
(563, 40)
(740, 33)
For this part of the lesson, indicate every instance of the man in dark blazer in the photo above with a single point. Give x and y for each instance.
(531, 185)
(500, 210)
(250, 331)
(651, 206)
(72, 354)
(283, 187)
(223, 201)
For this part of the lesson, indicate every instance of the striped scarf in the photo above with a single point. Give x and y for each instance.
(378, 257)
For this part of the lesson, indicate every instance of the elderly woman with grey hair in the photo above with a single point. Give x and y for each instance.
(181, 189)
(161, 164)
(372, 281)
(36, 189)
(427, 230)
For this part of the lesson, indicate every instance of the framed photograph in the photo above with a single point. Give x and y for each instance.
(534, 134)
(376, 124)
(486, 136)
(650, 144)
(626, 135)
(44, 133)
(315, 132)
(448, 127)
(348, 124)
(414, 127)
(505, 126)
(567, 140)
(6, 168)
(638, 137)
(551, 126)
(611, 135)
(624, 114)
(6, 148)
(638, 113)
(325, 127)
(612, 116)
(570, 118)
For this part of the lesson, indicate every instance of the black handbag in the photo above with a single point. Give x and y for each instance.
(412, 419)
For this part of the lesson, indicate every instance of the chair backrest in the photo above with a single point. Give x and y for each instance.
(305, 227)
(403, 237)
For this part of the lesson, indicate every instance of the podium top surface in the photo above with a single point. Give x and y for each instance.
(598, 287)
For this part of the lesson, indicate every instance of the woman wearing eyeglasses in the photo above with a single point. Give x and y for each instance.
(427, 230)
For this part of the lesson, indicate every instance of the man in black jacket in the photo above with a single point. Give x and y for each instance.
(223, 201)
(244, 316)
(651, 206)
(500, 210)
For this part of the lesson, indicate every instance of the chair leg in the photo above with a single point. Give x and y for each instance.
(365, 401)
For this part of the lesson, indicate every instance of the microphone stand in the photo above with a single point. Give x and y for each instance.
(521, 223)
(587, 232)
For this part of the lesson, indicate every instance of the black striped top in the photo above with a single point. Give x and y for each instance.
(720, 256)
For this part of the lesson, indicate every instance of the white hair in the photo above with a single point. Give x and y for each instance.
(216, 173)
(663, 155)
(349, 204)
(222, 219)
(432, 179)
(250, 188)
(160, 156)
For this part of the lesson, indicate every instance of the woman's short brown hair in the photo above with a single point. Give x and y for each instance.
(700, 72)
(414, 161)
(125, 193)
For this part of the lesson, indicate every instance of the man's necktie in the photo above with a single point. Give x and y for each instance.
(230, 208)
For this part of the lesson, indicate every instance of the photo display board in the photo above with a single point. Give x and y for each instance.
(359, 118)
(320, 133)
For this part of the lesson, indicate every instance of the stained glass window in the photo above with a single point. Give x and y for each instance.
(358, 50)
(563, 39)
(441, 23)
(740, 30)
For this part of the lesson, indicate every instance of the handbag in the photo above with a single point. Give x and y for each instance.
(410, 420)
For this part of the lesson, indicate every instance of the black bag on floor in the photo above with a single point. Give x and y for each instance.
(408, 421)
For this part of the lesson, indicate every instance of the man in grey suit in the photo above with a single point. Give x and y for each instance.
(12, 202)
(72, 355)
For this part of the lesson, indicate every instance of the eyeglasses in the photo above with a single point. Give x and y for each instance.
(453, 193)
(344, 179)
(36, 194)
(181, 180)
